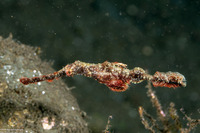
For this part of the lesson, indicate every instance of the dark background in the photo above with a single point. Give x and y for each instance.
(159, 35)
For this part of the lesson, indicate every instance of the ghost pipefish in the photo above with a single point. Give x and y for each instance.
(116, 76)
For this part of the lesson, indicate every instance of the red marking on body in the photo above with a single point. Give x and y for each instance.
(50, 80)
(163, 84)
(24, 80)
(68, 73)
(117, 85)
(169, 79)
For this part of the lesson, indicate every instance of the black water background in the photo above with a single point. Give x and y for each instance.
(155, 35)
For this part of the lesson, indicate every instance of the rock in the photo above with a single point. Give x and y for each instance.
(42, 107)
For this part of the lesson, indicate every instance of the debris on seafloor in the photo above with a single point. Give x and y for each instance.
(41, 107)
(167, 121)
(108, 125)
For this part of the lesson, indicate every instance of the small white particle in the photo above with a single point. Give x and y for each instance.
(73, 108)
(43, 92)
(39, 83)
(8, 72)
(1, 57)
(34, 71)
(39, 73)
(12, 73)
(107, 14)
(7, 67)
(162, 113)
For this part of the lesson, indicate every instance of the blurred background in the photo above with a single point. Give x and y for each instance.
(159, 35)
